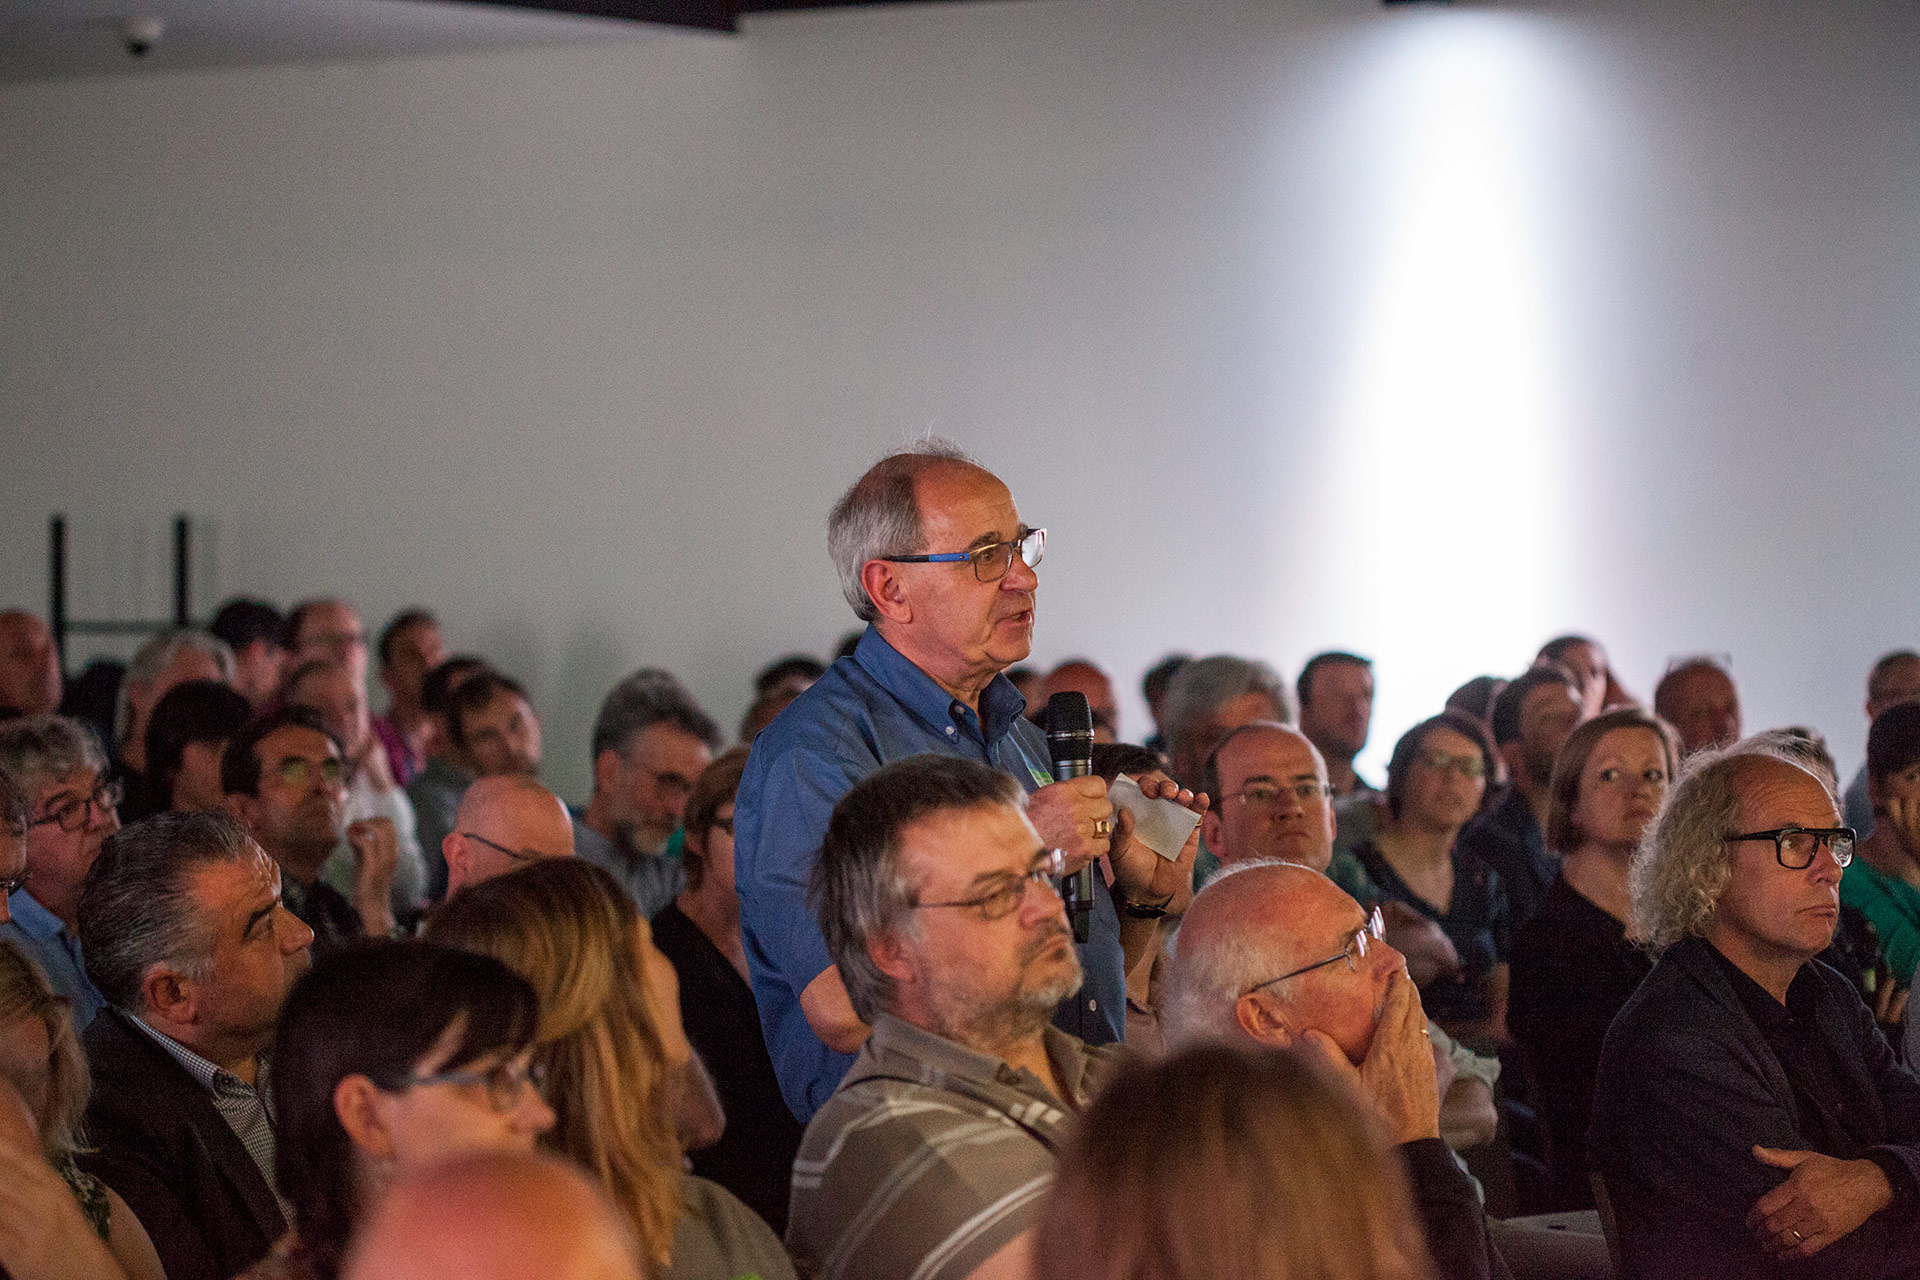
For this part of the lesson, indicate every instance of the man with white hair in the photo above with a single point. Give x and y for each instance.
(931, 552)
(1279, 954)
(1749, 1120)
(1208, 699)
(169, 659)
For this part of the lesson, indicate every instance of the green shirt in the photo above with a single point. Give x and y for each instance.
(1893, 906)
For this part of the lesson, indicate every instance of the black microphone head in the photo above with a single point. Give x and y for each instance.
(1069, 715)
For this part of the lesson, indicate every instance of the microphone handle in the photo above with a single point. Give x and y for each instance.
(1079, 885)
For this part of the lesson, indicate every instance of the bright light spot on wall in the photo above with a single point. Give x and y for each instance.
(1444, 468)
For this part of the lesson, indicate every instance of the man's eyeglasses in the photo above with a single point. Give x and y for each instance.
(1796, 847)
(1465, 766)
(14, 883)
(991, 562)
(1005, 897)
(505, 1083)
(1353, 953)
(1265, 795)
(518, 855)
(298, 771)
(73, 812)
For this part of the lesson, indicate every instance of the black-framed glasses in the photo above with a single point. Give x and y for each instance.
(991, 562)
(1005, 897)
(1353, 953)
(1796, 847)
(298, 771)
(74, 812)
(1466, 766)
(518, 855)
(505, 1084)
(14, 883)
(1265, 795)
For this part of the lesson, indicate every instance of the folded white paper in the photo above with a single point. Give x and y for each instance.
(1161, 825)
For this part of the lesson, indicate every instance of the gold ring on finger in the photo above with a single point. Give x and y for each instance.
(1102, 827)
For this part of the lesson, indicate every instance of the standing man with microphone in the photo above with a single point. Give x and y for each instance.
(932, 554)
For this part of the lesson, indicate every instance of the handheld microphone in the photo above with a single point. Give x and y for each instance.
(1070, 745)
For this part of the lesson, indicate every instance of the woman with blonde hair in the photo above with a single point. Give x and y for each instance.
(1225, 1160)
(609, 1034)
(1573, 964)
(54, 1218)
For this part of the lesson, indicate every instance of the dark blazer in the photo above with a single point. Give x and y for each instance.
(157, 1140)
(1688, 1086)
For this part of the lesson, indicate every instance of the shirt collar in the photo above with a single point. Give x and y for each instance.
(35, 920)
(1768, 1013)
(944, 1057)
(1000, 703)
(210, 1075)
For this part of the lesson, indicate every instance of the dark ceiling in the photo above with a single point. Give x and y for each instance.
(712, 15)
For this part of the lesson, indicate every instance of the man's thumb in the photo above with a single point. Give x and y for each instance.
(1780, 1159)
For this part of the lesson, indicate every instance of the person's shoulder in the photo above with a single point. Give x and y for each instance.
(718, 1234)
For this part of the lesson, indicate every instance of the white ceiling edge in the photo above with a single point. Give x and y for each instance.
(62, 39)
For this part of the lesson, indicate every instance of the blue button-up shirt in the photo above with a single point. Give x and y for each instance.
(39, 933)
(869, 710)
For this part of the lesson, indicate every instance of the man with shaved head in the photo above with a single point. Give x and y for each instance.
(505, 822)
(1749, 1118)
(1077, 675)
(29, 666)
(496, 1217)
(1277, 953)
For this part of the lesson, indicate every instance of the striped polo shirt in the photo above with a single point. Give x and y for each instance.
(930, 1156)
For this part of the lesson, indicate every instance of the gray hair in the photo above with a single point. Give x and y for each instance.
(860, 890)
(648, 697)
(1209, 973)
(1684, 864)
(880, 516)
(1206, 683)
(136, 904)
(43, 749)
(155, 656)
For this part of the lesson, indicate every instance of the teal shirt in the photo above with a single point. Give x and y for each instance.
(1893, 906)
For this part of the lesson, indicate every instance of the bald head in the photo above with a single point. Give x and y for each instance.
(1080, 676)
(1270, 798)
(29, 665)
(495, 1216)
(1256, 922)
(506, 821)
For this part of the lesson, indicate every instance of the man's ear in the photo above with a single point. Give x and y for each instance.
(1259, 1019)
(356, 1104)
(889, 955)
(1210, 824)
(606, 770)
(453, 847)
(168, 995)
(887, 592)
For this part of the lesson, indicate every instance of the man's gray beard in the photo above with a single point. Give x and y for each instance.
(994, 1029)
(628, 837)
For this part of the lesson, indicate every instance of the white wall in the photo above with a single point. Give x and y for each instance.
(1428, 333)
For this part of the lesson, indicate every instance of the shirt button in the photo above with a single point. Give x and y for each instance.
(951, 731)
(1093, 1006)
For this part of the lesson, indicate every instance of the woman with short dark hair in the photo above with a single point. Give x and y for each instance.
(392, 1056)
(1436, 780)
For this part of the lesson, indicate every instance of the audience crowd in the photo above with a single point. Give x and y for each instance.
(290, 990)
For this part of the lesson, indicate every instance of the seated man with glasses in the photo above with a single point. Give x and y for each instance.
(931, 551)
(57, 767)
(505, 822)
(933, 1157)
(188, 939)
(285, 779)
(1748, 1118)
(1276, 952)
(1275, 804)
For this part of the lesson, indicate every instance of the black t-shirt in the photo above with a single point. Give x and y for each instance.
(754, 1157)
(1573, 969)
(1475, 922)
